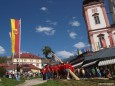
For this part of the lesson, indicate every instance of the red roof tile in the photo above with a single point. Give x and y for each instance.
(30, 66)
(4, 65)
(27, 55)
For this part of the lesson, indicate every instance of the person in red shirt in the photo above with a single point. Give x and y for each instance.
(51, 71)
(48, 72)
(67, 69)
(71, 68)
(44, 73)
(56, 71)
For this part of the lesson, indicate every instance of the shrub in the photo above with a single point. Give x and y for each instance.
(2, 71)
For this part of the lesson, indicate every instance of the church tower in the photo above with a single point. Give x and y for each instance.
(99, 31)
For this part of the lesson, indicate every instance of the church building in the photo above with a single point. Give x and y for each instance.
(100, 33)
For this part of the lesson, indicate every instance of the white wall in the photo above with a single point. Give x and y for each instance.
(92, 21)
(96, 40)
(29, 61)
(113, 35)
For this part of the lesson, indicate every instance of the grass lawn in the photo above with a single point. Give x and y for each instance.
(88, 82)
(9, 82)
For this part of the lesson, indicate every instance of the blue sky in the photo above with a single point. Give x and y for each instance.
(56, 23)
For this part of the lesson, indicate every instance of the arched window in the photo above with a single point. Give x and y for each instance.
(96, 18)
(102, 41)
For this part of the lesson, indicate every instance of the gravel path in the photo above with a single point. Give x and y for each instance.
(32, 82)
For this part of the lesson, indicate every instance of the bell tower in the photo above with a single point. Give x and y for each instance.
(98, 27)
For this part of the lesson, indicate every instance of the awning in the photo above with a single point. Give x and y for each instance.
(107, 62)
(90, 63)
(78, 64)
(102, 54)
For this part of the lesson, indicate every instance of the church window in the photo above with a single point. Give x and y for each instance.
(102, 41)
(96, 18)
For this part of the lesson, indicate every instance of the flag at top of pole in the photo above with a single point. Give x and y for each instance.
(15, 36)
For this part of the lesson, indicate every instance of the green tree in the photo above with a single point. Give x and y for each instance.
(3, 59)
(46, 51)
(2, 71)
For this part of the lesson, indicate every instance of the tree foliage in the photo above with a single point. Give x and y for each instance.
(2, 71)
(3, 59)
(46, 51)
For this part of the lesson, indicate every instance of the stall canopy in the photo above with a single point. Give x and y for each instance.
(102, 54)
(90, 63)
(106, 62)
(78, 64)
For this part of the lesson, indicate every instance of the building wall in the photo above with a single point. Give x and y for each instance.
(91, 18)
(99, 33)
(96, 40)
(36, 62)
(113, 35)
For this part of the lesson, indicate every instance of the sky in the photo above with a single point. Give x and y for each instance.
(56, 23)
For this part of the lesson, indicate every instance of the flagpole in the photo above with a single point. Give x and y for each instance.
(19, 42)
(13, 62)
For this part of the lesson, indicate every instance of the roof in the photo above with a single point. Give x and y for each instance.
(10, 67)
(24, 66)
(30, 66)
(102, 54)
(27, 55)
(4, 65)
(89, 1)
(81, 57)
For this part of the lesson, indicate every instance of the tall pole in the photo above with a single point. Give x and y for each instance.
(19, 42)
(13, 63)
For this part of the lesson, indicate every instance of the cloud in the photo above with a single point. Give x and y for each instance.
(64, 54)
(80, 45)
(72, 35)
(43, 9)
(74, 23)
(74, 18)
(2, 50)
(46, 30)
(51, 22)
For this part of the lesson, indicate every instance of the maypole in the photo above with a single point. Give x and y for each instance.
(47, 50)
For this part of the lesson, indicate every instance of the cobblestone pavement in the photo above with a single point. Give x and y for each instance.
(32, 82)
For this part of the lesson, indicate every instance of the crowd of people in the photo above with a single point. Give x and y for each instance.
(92, 72)
(24, 75)
(57, 71)
(61, 71)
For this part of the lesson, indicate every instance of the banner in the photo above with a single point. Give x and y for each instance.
(15, 35)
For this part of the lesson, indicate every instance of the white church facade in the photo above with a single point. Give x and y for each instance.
(100, 33)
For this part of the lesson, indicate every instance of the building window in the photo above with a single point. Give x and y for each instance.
(37, 64)
(96, 18)
(24, 60)
(102, 41)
